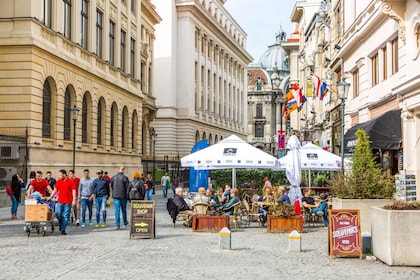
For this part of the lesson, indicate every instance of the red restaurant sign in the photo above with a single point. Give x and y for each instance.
(344, 233)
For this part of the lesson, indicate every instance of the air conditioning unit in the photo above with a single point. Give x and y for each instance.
(6, 173)
(9, 151)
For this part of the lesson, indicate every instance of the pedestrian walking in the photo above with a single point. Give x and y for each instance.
(165, 182)
(76, 209)
(148, 185)
(119, 187)
(66, 200)
(175, 183)
(85, 196)
(17, 184)
(100, 194)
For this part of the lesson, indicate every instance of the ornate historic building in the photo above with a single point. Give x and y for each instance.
(94, 55)
(200, 76)
(268, 82)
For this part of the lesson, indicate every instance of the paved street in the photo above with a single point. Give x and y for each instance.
(90, 253)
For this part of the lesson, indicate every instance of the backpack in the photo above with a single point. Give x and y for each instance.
(136, 191)
(9, 190)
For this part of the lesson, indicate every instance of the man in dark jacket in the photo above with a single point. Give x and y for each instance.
(182, 206)
(100, 194)
(119, 186)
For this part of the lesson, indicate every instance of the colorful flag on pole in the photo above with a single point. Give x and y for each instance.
(317, 84)
(291, 104)
(323, 91)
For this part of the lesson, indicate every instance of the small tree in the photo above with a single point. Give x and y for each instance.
(366, 178)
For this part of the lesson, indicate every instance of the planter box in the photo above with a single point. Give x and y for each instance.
(209, 223)
(395, 236)
(364, 205)
(277, 224)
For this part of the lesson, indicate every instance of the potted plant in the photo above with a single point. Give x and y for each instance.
(282, 217)
(395, 229)
(363, 186)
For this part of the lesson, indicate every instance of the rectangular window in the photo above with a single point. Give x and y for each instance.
(384, 64)
(394, 56)
(122, 51)
(84, 24)
(375, 70)
(356, 83)
(46, 12)
(67, 18)
(111, 42)
(133, 5)
(99, 30)
(259, 130)
(259, 109)
(196, 40)
(132, 56)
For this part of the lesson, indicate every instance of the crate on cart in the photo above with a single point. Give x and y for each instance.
(38, 217)
(38, 213)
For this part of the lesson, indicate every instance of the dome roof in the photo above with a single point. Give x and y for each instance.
(275, 56)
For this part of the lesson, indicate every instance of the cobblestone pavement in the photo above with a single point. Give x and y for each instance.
(91, 253)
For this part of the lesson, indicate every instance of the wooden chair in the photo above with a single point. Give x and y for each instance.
(201, 208)
(250, 217)
(235, 217)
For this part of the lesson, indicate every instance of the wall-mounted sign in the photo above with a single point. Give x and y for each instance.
(142, 219)
(344, 233)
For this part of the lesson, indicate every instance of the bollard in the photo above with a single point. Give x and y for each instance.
(294, 242)
(366, 243)
(224, 239)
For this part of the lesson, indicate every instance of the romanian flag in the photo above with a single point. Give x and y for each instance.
(323, 91)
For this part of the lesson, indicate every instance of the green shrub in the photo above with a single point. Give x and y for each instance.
(366, 178)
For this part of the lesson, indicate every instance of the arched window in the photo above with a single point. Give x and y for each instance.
(46, 110)
(197, 136)
(124, 128)
(134, 130)
(84, 119)
(143, 138)
(67, 114)
(113, 125)
(101, 107)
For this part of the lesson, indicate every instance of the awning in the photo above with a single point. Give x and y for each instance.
(384, 132)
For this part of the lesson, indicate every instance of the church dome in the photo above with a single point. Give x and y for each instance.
(275, 56)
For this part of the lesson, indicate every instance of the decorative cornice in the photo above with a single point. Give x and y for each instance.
(395, 9)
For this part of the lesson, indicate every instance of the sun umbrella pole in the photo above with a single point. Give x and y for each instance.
(233, 177)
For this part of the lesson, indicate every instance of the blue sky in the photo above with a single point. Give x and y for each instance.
(261, 20)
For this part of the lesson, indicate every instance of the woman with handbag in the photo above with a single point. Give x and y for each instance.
(16, 184)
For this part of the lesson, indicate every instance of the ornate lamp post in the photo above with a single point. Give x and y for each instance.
(343, 90)
(154, 136)
(75, 111)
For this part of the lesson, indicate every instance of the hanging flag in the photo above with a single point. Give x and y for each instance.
(323, 91)
(301, 99)
(291, 103)
(316, 84)
(309, 89)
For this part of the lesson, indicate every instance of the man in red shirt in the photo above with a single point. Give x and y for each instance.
(66, 199)
(76, 209)
(40, 185)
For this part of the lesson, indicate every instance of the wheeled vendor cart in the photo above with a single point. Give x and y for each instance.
(38, 218)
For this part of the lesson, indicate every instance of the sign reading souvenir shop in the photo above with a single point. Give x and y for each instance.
(142, 219)
(344, 233)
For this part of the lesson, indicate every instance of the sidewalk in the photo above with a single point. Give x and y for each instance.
(90, 253)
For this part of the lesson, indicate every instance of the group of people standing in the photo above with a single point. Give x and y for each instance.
(70, 193)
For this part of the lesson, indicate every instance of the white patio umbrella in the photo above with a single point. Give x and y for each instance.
(231, 152)
(313, 157)
(293, 168)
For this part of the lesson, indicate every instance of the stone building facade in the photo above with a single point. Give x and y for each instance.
(95, 55)
(200, 76)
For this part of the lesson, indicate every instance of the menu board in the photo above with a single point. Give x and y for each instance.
(344, 233)
(142, 219)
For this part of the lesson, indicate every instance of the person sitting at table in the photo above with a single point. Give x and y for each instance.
(214, 199)
(201, 196)
(283, 195)
(265, 197)
(182, 206)
(227, 208)
(226, 194)
(315, 207)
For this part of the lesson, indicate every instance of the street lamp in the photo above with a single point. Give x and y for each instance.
(154, 136)
(343, 90)
(75, 111)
